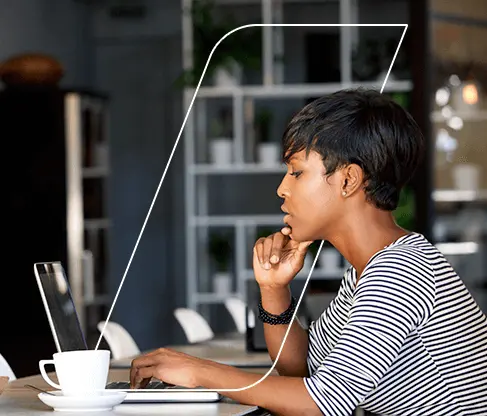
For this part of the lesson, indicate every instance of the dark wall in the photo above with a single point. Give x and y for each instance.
(146, 116)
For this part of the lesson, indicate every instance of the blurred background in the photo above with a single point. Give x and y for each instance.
(93, 96)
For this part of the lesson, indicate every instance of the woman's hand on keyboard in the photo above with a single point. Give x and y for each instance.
(167, 365)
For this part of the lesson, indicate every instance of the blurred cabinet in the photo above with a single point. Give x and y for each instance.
(55, 179)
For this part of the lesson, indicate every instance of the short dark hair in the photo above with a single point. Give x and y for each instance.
(363, 127)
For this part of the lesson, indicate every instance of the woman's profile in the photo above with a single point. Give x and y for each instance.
(403, 336)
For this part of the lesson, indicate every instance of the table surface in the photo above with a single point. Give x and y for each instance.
(230, 353)
(18, 400)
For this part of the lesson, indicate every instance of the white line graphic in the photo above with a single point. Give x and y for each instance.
(405, 26)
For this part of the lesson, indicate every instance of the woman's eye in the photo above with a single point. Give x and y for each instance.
(297, 173)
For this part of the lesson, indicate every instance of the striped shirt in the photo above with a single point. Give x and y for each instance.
(408, 340)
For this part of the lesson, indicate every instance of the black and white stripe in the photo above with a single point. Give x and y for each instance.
(409, 340)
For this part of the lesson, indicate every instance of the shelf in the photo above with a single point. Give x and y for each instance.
(214, 297)
(457, 195)
(232, 220)
(481, 115)
(237, 169)
(318, 274)
(97, 224)
(458, 248)
(259, 2)
(296, 90)
(95, 172)
(99, 300)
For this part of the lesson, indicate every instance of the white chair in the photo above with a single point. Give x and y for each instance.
(195, 326)
(121, 343)
(236, 307)
(5, 369)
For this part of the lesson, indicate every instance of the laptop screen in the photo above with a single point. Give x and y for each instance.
(59, 305)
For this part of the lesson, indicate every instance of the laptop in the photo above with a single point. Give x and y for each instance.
(68, 336)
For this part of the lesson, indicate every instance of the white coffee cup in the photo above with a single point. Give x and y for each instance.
(79, 373)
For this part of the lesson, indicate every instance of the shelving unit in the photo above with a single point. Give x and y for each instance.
(87, 267)
(295, 90)
(199, 173)
(459, 195)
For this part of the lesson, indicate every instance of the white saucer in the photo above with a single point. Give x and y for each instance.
(103, 402)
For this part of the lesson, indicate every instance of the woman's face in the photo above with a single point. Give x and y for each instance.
(312, 201)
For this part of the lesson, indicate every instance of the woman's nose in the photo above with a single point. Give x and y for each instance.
(283, 189)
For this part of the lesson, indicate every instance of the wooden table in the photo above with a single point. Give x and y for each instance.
(18, 400)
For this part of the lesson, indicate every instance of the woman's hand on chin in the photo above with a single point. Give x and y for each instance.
(278, 258)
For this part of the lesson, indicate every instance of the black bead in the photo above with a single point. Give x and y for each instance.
(284, 318)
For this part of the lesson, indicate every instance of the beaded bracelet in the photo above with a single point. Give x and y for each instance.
(284, 318)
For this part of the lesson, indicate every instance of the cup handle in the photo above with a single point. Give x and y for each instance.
(42, 364)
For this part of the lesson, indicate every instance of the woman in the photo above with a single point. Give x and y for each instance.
(403, 335)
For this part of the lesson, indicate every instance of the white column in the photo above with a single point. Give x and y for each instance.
(238, 127)
(267, 50)
(355, 19)
(345, 42)
(278, 42)
(74, 192)
(189, 133)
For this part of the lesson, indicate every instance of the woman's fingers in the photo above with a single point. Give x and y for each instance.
(137, 370)
(303, 246)
(146, 360)
(270, 249)
(145, 374)
(286, 230)
(140, 383)
(273, 249)
(263, 249)
(267, 253)
(278, 242)
(299, 246)
(259, 250)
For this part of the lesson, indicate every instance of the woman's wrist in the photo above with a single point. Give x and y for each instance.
(211, 375)
(202, 371)
(275, 299)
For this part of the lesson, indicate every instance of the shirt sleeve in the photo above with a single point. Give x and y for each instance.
(394, 296)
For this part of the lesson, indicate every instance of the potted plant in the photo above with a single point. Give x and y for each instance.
(238, 51)
(221, 142)
(366, 60)
(267, 150)
(220, 251)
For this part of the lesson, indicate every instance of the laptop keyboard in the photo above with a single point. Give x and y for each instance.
(125, 385)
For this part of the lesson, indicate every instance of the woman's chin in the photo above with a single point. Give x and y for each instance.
(295, 236)
(300, 237)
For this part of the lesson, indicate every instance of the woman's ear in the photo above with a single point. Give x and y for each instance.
(352, 179)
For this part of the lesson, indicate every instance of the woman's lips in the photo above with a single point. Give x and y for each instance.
(287, 215)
